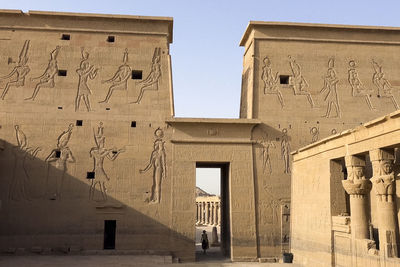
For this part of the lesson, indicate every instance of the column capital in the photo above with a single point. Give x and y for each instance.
(356, 183)
(383, 175)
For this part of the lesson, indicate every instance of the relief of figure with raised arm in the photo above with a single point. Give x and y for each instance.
(85, 72)
(152, 80)
(19, 72)
(383, 84)
(270, 81)
(298, 82)
(46, 80)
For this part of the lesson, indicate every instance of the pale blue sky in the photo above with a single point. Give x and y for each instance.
(206, 57)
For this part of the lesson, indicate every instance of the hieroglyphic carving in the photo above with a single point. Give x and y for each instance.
(357, 87)
(60, 156)
(151, 82)
(46, 80)
(285, 150)
(269, 212)
(18, 187)
(120, 79)
(271, 81)
(85, 71)
(19, 72)
(383, 84)
(266, 158)
(298, 82)
(314, 131)
(98, 153)
(158, 163)
(329, 91)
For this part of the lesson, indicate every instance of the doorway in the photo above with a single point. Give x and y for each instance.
(212, 210)
(109, 234)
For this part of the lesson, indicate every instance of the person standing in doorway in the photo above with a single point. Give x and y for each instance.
(204, 241)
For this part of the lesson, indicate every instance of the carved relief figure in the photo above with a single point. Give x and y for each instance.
(314, 131)
(85, 71)
(298, 82)
(151, 82)
(266, 158)
(330, 90)
(59, 156)
(285, 150)
(18, 187)
(46, 80)
(120, 79)
(383, 85)
(271, 81)
(358, 88)
(98, 153)
(19, 72)
(383, 180)
(158, 163)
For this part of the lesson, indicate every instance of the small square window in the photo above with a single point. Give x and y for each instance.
(284, 79)
(79, 123)
(136, 74)
(62, 72)
(65, 37)
(107, 108)
(90, 175)
(133, 124)
(58, 154)
(111, 39)
(60, 107)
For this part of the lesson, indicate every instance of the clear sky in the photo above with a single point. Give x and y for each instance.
(206, 57)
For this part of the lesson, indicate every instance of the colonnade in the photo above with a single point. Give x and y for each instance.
(384, 185)
(208, 210)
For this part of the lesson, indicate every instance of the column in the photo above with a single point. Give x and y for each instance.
(219, 213)
(206, 213)
(212, 213)
(358, 187)
(215, 214)
(385, 188)
(197, 212)
(202, 220)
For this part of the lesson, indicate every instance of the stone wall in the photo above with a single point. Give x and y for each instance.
(305, 82)
(359, 229)
(72, 156)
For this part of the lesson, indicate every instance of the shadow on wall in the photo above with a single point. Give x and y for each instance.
(45, 208)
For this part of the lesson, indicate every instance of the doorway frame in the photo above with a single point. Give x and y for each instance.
(225, 228)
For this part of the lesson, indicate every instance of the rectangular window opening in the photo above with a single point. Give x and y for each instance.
(133, 124)
(79, 123)
(58, 154)
(90, 175)
(284, 79)
(66, 37)
(136, 74)
(60, 107)
(62, 72)
(107, 108)
(111, 39)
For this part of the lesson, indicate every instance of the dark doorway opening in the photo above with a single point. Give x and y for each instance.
(214, 213)
(109, 234)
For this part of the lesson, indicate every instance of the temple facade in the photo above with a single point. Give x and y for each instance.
(92, 157)
(346, 186)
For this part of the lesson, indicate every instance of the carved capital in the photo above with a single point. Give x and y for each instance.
(357, 187)
(356, 183)
(383, 175)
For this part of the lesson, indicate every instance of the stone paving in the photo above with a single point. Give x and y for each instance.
(114, 261)
(212, 258)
